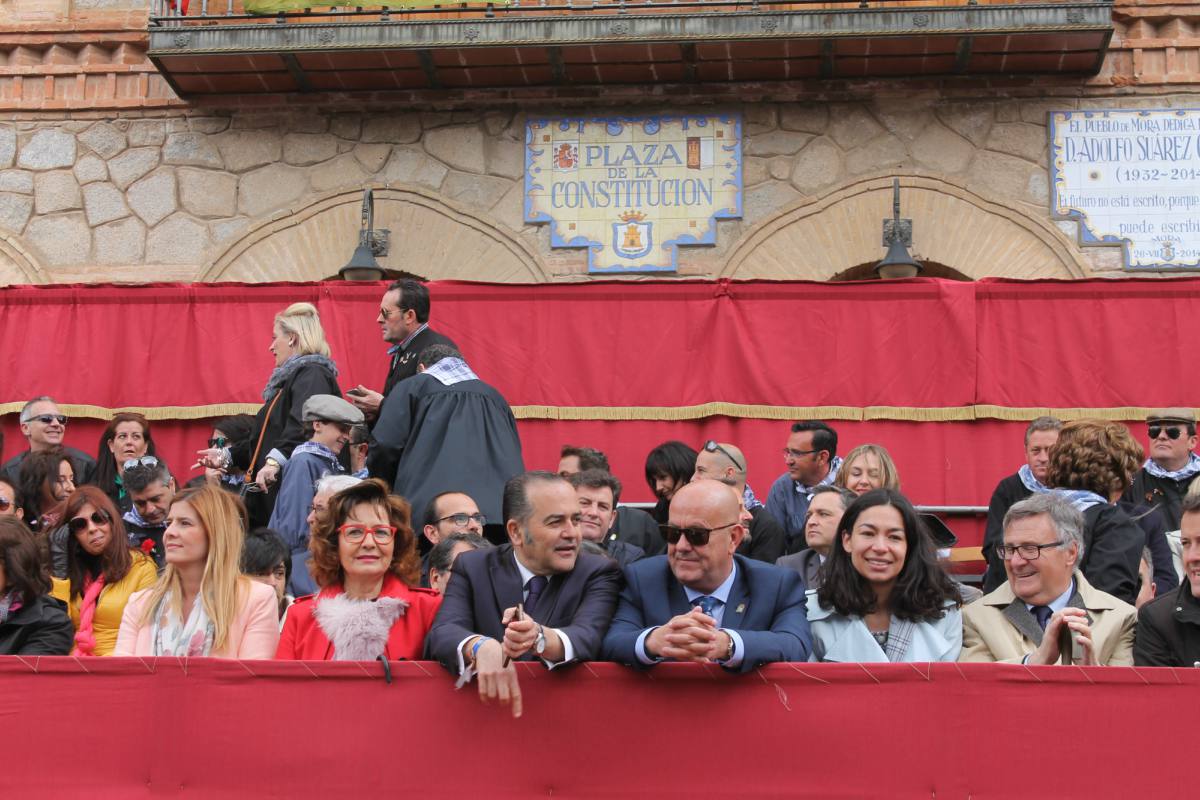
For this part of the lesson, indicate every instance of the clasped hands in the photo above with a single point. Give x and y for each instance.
(1076, 620)
(693, 636)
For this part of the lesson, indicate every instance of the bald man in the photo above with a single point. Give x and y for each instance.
(703, 602)
(765, 539)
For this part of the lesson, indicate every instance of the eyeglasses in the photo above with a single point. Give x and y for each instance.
(790, 453)
(6, 504)
(696, 536)
(218, 442)
(1172, 432)
(461, 520)
(144, 461)
(46, 419)
(79, 524)
(387, 312)
(1029, 552)
(354, 533)
(712, 447)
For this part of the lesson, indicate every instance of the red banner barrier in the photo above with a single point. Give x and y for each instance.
(146, 728)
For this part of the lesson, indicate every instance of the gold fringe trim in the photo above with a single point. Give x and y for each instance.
(672, 413)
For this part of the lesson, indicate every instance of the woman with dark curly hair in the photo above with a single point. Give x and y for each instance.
(47, 479)
(31, 624)
(364, 557)
(1092, 464)
(126, 438)
(884, 595)
(102, 571)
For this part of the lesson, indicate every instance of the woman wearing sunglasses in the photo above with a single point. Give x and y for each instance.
(202, 605)
(884, 596)
(126, 438)
(10, 499)
(47, 479)
(232, 433)
(102, 571)
(364, 557)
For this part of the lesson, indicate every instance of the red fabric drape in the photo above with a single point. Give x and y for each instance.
(288, 729)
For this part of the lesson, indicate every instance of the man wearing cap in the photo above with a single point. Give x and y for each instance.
(1164, 479)
(327, 421)
(724, 462)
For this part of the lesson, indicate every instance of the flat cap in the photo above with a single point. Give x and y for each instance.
(330, 408)
(1172, 415)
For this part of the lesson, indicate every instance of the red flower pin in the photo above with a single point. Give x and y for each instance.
(147, 546)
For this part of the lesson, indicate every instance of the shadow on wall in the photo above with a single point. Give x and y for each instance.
(930, 269)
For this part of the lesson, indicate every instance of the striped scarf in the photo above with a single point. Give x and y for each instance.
(1190, 469)
(1082, 499)
(1031, 483)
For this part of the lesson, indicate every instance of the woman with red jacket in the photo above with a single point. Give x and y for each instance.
(364, 557)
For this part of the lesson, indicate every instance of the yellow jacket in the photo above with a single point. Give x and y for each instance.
(111, 605)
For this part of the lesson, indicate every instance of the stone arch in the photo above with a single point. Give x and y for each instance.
(823, 237)
(17, 263)
(432, 237)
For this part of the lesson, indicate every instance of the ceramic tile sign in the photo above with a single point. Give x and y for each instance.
(1133, 178)
(633, 190)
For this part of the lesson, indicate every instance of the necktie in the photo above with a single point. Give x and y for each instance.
(1042, 614)
(706, 603)
(535, 586)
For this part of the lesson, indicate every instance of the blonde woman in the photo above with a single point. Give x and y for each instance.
(303, 368)
(202, 605)
(867, 467)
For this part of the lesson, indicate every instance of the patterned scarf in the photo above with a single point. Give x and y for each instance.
(188, 638)
(1031, 483)
(900, 636)
(450, 371)
(749, 499)
(288, 368)
(1189, 469)
(1082, 499)
(316, 448)
(85, 637)
(828, 480)
(10, 603)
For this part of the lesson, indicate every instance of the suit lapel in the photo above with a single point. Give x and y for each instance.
(676, 597)
(1076, 601)
(1016, 613)
(506, 581)
(739, 599)
(546, 612)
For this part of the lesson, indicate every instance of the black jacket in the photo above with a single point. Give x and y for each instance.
(1008, 493)
(39, 628)
(1168, 631)
(1164, 494)
(83, 464)
(766, 540)
(1112, 551)
(636, 527)
(404, 363)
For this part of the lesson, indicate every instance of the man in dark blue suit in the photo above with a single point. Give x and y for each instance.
(700, 602)
(567, 596)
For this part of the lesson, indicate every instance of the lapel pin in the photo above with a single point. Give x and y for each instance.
(741, 609)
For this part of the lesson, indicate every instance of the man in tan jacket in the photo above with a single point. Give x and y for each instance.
(1021, 621)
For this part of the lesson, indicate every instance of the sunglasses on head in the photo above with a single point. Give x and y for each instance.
(144, 461)
(1172, 432)
(712, 447)
(696, 536)
(46, 419)
(79, 524)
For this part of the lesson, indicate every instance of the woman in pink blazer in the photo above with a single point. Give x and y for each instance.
(202, 605)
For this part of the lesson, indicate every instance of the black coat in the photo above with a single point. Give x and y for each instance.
(766, 540)
(1112, 551)
(83, 464)
(579, 603)
(1151, 522)
(39, 628)
(404, 363)
(634, 526)
(1168, 631)
(1164, 494)
(1009, 492)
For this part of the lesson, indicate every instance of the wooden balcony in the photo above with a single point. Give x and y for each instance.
(207, 50)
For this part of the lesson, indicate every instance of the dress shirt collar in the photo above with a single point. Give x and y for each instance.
(413, 335)
(1060, 602)
(720, 593)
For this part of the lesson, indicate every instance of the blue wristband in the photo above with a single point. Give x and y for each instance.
(476, 646)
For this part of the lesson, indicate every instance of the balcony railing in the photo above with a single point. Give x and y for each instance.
(220, 46)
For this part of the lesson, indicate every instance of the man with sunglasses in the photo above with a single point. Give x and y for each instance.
(812, 460)
(327, 421)
(447, 514)
(404, 322)
(1046, 597)
(1164, 479)
(701, 601)
(45, 427)
(726, 463)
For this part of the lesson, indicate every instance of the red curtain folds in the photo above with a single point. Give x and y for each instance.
(212, 728)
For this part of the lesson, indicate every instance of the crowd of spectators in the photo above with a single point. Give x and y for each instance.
(404, 524)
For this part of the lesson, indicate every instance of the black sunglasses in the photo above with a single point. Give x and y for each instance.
(696, 536)
(218, 442)
(1172, 432)
(79, 524)
(712, 447)
(46, 419)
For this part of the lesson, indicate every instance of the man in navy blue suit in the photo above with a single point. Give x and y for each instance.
(700, 602)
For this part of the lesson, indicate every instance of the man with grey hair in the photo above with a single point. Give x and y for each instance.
(1040, 436)
(536, 598)
(45, 426)
(1046, 601)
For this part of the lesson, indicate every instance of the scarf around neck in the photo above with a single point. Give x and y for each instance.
(171, 636)
(1082, 499)
(318, 449)
(828, 480)
(1031, 483)
(85, 637)
(287, 369)
(1189, 469)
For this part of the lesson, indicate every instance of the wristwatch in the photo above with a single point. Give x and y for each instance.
(729, 651)
(539, 646)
